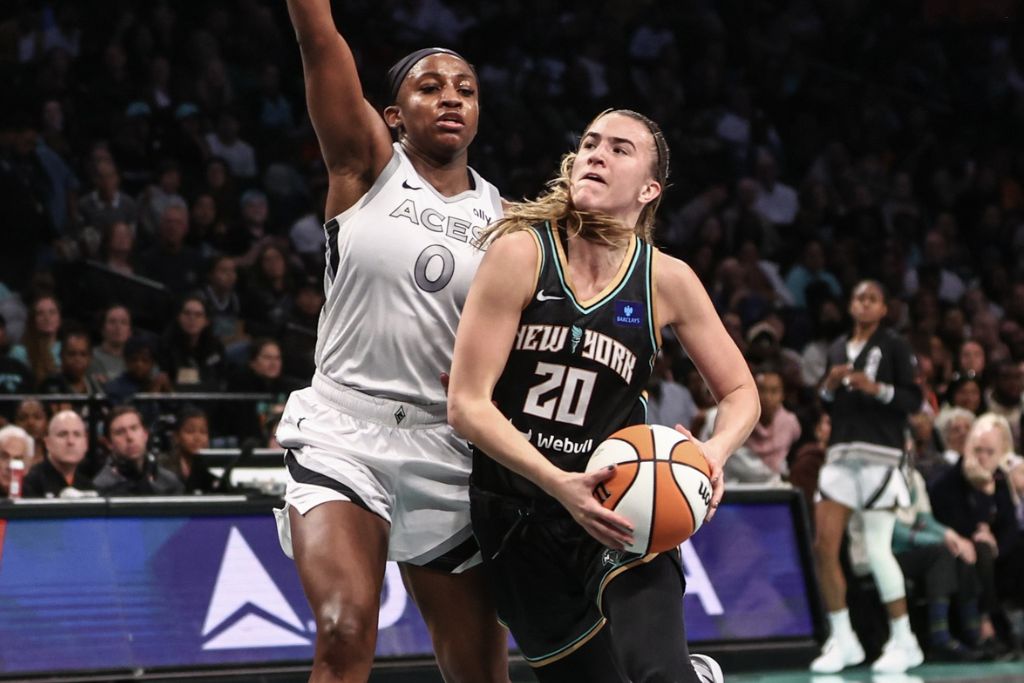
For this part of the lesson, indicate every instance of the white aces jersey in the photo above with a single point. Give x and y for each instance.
(399, 265)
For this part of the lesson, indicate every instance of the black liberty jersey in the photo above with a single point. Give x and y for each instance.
(577, 369)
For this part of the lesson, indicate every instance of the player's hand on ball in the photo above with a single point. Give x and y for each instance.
(575, 491)
(715, 462)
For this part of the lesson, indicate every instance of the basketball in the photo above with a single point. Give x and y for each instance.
(662, 484)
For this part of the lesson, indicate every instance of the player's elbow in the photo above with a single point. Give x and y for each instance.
(458, 414)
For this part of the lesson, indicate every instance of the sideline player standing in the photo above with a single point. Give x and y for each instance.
(870, 389)
(374, 470)
(561, 328)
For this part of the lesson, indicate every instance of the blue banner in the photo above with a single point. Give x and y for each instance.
(143, 592)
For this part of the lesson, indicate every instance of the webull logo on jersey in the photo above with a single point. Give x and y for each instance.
(629, 313)
(596, 346)
(563, 445)
(247, 609)
(430, 218)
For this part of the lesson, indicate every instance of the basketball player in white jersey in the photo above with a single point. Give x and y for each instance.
(375, 472)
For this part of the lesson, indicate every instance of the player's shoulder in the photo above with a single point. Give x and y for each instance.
(671, 269)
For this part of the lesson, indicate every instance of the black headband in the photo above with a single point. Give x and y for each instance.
(401, 68)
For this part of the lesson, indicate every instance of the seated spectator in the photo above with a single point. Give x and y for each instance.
(222, 298)
(964, 391)
(226, 144)
(938, 557)
(15, 446)
(155, 197)
(170, 261)
(191, 435)
(40, 347)
(117, 248)
(974, 500)
(298, 341)
(107, 204)
(811, 270)
(115, 331)
(668, 402)
(140, 373)
(31, 416)
(809, 458)
(66, 444)
(15, 377)
(73, 376)
(269, 293)
(190, 354)
(207, 230)
(131, 469)
(261, 375)
(1006, 397)
(763, 458)
(970, 359)
(953, 424)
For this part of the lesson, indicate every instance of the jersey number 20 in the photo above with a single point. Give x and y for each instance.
(570, 404)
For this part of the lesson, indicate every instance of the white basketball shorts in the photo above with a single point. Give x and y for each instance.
(863, 483)
(399, 461)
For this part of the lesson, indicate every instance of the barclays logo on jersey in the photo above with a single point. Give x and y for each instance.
(629, 313)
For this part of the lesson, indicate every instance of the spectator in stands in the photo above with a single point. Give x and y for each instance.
(40, 347)
(106, 204)
(117, 248)
(222, 298)
(140, 373)
(964, 391)
(132, 470)
(5, 474)
(220, 185)
(187, 140)
(298, 341)
(946, 284)
(253, 232)
(225, 143)
(668, 402)
(764, 457)
(1006, 397)
(809, 457)
(974, 499)
(15, 377)
(73, 376)
(936, 556)
(953, 423)
(208, 231)
(261, 375)
(31, 416)
(811, 269)
(269, 294)
(190, 354)
(155, 197)
(15, 444)
(191, 435)
(170, 261)
(115, 331)
(66, 444)
(827, 323)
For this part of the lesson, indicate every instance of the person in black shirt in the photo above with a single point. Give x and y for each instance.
(563, 276)
(870, 388)
(191, 435)
(132, 470)
(66, 444)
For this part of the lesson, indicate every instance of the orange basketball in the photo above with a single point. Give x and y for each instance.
(662, 484)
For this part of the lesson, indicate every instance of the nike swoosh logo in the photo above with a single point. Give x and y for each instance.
(541, 296)
(406, 185)
(298, 425)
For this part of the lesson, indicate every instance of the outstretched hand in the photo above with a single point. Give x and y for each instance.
(715, 462)
(575, 491)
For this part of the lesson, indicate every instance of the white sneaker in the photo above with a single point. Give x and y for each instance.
(707, 669)
(837, 654)
(898, 656)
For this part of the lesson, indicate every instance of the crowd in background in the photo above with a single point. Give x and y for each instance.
(162, 196)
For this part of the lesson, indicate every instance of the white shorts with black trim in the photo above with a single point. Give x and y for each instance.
(399, 461)
(863, 480)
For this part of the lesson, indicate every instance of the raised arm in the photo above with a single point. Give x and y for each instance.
(683, 303)
(487, 329)
(354, 140)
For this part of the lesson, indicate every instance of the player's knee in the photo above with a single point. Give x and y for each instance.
(345, 628)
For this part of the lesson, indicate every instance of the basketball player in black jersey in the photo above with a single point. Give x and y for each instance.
(560, 329)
